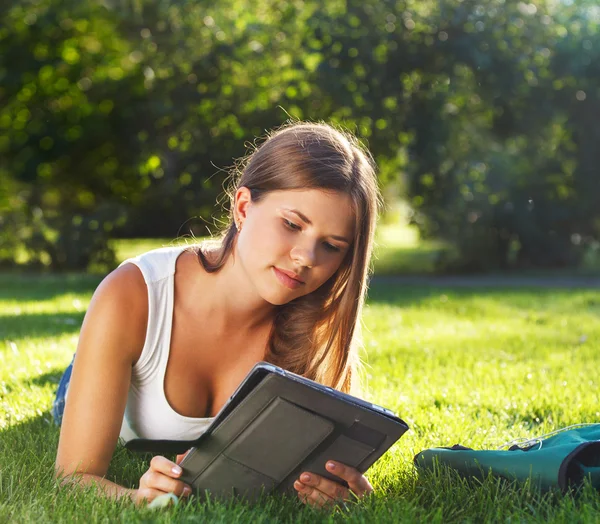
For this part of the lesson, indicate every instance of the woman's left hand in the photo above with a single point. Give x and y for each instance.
(319, 491)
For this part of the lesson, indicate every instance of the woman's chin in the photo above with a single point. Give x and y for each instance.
(278, 300)
(280, 297)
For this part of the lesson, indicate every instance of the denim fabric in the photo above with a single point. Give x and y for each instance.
(58, 407)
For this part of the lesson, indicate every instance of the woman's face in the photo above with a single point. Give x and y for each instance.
(292, 241)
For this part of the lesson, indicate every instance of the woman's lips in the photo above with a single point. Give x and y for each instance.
(286, 280)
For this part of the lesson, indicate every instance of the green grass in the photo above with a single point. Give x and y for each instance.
(478, 367)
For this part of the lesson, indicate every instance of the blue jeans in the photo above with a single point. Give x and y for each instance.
(58, 406)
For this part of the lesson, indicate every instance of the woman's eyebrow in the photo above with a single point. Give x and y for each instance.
(302, 216)
(305, 219)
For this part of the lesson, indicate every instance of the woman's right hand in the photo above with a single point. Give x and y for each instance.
(160, 478)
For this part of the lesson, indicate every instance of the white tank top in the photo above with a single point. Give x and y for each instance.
(148, 414)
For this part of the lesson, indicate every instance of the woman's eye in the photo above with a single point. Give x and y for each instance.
(331, 247)
(291, 225)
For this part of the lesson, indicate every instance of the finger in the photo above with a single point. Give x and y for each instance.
(331, 488)
(302, 492)
(165, 466)
(155, 480)
(357, 482)
(312, 496)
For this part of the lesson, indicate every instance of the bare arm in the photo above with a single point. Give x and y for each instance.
(111, 340)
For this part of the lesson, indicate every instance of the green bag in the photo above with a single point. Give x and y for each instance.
(562, 460)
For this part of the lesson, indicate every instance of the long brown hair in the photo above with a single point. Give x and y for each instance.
(315, 335)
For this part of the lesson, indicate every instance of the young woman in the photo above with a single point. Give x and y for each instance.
(170, 334)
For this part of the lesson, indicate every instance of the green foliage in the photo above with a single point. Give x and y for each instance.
(131, 106)
(121, 118)
(511, 181)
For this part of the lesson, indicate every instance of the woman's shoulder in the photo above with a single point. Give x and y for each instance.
(122, 297)
(126, 281)
(115, 322)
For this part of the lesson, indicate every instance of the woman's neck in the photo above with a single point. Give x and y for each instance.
(231, 300)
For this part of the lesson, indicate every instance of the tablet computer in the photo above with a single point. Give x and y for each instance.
(275, 426)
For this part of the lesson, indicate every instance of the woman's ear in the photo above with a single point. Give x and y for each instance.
(241, 204)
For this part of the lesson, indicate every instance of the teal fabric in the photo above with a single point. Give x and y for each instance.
(563, 460)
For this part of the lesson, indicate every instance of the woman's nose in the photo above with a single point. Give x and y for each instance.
(304, 255)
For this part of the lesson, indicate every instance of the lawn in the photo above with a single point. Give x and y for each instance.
(476, 366)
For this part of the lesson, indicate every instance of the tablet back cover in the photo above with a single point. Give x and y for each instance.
(280, 429)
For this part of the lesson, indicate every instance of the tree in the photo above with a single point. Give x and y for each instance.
(124, 118)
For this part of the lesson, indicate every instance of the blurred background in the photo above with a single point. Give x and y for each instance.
(120, 119)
